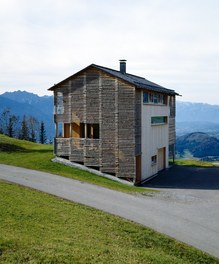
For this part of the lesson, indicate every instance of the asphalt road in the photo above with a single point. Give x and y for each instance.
(188, 214)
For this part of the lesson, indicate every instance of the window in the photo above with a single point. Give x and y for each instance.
(59, 103)
(93, 131)
(78, 130)
(157, 120)
(154, 98)
(154, 160)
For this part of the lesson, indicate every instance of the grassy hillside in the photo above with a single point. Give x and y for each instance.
(30, 155)
(195, 163)
(40, 228)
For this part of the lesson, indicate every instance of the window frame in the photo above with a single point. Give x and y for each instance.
(154, 98)
(155, 120)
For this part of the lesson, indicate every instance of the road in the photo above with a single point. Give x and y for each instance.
(188, 215)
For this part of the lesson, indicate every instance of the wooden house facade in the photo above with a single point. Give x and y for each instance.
(115, 122)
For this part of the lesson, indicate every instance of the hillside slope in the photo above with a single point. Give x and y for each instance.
(199, 144)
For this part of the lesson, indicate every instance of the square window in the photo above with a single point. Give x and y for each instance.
(154, 160)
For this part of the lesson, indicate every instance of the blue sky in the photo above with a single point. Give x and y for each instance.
(174, 43)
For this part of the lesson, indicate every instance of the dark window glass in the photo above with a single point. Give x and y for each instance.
(158, 120)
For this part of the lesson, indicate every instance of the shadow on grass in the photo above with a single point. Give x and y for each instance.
(184, 177)
(38, 151)
(5, 147)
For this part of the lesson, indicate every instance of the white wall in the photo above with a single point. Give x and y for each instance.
(153, 138)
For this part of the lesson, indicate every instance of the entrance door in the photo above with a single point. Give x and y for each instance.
(138, 168)
(161, 158)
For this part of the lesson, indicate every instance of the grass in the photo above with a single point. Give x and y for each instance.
(194, 163)
(39, 228)
(34, 156)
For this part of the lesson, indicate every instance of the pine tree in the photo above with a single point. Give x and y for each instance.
(8, 123)
(24, 133)
(42, 133)
(11, 125)
(33, 127)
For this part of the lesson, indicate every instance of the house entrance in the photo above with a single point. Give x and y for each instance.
(138, 168)
(161, 159)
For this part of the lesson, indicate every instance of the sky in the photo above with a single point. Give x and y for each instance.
(173, 43)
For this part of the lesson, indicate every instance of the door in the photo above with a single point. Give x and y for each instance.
(138, 168)
(161, 158)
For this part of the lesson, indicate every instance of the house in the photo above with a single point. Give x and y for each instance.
(115, 122)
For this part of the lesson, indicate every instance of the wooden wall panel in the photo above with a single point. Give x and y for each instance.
(108, 125)
(92, 97)
(138, 103)
(77, 150)
(78, 99)
(126, 130)
(92, 156)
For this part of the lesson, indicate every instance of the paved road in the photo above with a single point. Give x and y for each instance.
(189, 215)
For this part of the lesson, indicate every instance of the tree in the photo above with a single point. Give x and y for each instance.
(42, 133)
(33, 128)
(8, 123)
(24, 132)
(4, 120)
(11, 125)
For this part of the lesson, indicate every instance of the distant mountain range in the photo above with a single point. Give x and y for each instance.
(190, 117)
(193, 117)
(23, 103)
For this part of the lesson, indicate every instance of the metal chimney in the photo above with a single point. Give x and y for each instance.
(123, 66)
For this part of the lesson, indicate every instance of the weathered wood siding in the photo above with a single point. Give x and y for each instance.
(138, 103)
(94, 97)
(126, 130)
(63, 147)
(108, 124)
(92, 103)
(77, 150)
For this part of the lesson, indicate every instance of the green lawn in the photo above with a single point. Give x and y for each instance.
(30, 155)
(39, 228)
(195, 163)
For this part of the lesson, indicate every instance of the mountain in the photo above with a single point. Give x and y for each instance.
(193, 117)
(23, 103)
(44, 103)
(199, 144)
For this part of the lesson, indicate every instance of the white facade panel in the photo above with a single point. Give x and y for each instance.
(154, 137)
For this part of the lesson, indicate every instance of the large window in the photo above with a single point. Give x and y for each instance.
(154, 98)
(158, 120)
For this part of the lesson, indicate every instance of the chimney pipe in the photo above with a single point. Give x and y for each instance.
(123, 66)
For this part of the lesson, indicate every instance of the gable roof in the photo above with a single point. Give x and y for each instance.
(138, 82)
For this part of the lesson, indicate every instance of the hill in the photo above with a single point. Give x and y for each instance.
(199, 144)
